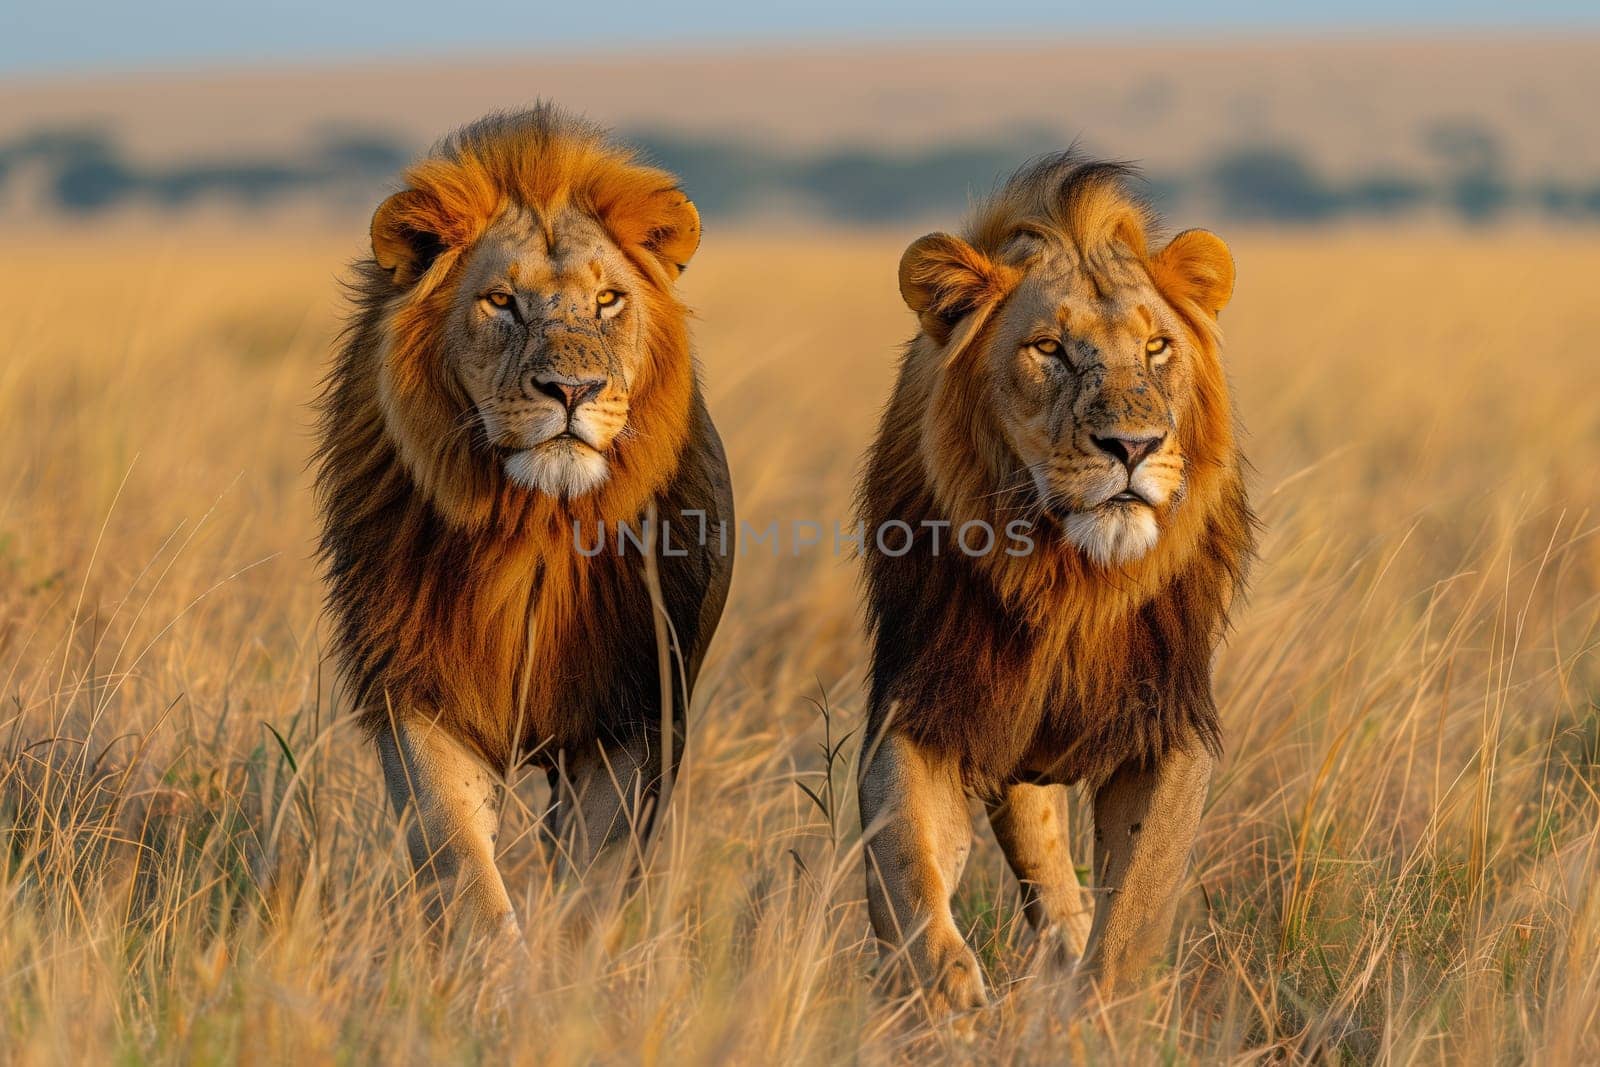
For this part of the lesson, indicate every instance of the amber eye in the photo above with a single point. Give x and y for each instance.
(1047, 346)
(1157, 347)
(607, 297)
(499, 299)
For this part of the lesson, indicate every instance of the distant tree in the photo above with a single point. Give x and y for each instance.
(1271, 183)
(724, 177)
(1471, 155)
(92, 180)
(1385, 195)
(1568, 201)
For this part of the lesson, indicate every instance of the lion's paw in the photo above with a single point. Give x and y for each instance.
(954, 979)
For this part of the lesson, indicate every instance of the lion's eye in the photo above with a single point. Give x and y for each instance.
(1157, 347)
(608, 302)
(499, 299)
(1047, 346)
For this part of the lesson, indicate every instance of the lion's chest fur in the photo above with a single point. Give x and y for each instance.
(511, 638)
(521, 647)
(1066, 692)
(506, 639)
(512, 647)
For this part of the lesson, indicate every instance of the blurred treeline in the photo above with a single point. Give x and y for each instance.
(85, 171)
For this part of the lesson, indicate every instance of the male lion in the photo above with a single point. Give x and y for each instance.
(1064, 405)
(515, 382)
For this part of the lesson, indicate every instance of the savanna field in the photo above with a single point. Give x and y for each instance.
(1399, 856)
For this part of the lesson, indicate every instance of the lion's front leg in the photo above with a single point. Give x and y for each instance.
(449, 798)
(1145, 824)
(917, 833)
(604, 799)
(1030, 823)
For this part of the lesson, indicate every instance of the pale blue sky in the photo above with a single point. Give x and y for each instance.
(76, 35)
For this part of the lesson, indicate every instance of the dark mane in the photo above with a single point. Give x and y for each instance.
(996, 658)
(440, 569)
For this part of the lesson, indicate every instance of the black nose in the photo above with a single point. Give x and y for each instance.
(570, 391)
(1130, 450)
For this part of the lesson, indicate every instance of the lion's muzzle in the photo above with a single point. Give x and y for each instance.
(1130, 451)
(572, 405)
(570, 392)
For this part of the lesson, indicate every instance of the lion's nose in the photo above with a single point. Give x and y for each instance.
(570, 391)
(1131, 451)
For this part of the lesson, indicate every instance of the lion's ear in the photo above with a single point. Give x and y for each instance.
(664, 223)
(676, 235)
(405, 235)
(943, 279)
(1200, 264)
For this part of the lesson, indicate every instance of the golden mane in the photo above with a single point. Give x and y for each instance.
(440, 567)
(1089, 204)
(542, 161)
(1114, 664)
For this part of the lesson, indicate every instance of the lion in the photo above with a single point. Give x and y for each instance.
(515, 381)
(1062, 411)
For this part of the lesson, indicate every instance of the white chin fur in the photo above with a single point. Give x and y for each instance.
(565, 469)
(1112, 536)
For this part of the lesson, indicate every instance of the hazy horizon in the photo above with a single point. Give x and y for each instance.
(1289, 129)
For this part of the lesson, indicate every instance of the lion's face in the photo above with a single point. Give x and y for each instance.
(528, 344)
(546, 340)
(1083, 368)
(1088, 380)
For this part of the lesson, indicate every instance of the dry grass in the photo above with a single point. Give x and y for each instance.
(1399, 858)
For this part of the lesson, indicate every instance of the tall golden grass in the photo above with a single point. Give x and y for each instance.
(1400, 855)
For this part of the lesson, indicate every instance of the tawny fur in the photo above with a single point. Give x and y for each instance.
(1010, 660)
(452, 588)
(1088, 658)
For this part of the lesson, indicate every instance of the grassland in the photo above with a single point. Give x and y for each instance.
(1400, 853)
